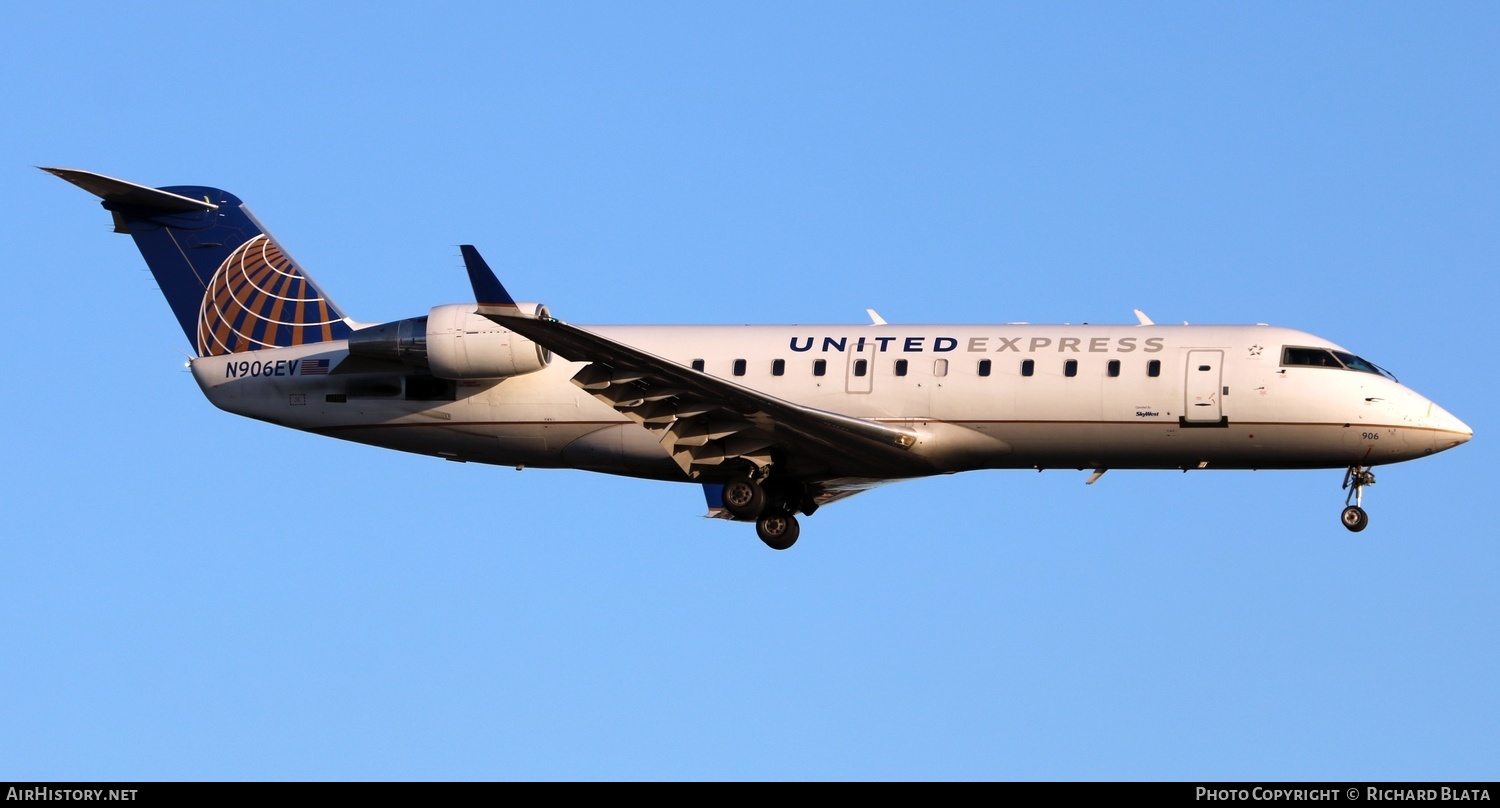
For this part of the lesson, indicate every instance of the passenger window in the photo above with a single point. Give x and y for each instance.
(1070, 368)
(698, 365)
(1028, 367)
(820, 367)
(1153, 368)
(1114, 367)
(940, 367)
(861, 366)
(900, 367)
(778, 367)
(739, 367)
(984, 367)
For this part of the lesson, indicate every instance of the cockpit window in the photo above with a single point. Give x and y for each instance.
(1353, 362)
(1292, 356)
(1314, 357)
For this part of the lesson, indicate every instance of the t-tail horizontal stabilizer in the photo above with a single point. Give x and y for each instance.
(127, 194)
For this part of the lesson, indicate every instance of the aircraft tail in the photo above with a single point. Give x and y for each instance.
(231, 286)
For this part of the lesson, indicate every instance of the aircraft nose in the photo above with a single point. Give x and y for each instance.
(1448, 430)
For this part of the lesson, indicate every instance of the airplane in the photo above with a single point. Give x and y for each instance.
(772, 420)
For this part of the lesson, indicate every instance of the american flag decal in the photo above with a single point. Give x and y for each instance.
(315, 367)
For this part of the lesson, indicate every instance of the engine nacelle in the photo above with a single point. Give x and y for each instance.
(465, 345)
(453, 342)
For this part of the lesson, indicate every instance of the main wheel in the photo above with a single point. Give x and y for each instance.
(744, 498)
(778, 530)
(1355, 518)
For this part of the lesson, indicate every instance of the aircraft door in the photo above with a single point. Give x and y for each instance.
(1205, 372)
(860, 376)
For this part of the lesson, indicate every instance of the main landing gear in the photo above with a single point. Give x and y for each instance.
(770, 505)
(778, 530)
(1355, 480)
(744, 498)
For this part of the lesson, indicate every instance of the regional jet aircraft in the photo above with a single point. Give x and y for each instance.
(772, 420)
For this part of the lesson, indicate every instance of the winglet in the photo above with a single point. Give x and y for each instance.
(1141, 315)
(714, 493)
(488, 292)
(875, 319)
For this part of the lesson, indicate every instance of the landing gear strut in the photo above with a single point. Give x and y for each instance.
(1355, 480)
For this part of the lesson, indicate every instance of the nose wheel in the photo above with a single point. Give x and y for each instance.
(1355, 480)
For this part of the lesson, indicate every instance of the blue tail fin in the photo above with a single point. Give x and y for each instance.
(230, 284)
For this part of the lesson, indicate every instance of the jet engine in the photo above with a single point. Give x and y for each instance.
(453, 342)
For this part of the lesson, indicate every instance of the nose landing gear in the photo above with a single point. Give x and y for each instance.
(1355, 480)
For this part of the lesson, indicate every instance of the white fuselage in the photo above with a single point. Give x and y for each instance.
(1217, 397)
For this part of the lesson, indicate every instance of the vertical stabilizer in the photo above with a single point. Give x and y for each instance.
(231, 286)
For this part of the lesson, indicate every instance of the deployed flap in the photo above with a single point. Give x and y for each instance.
(128, 193)
(704, 421)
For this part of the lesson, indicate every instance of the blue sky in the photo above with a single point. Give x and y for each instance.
(185, 594)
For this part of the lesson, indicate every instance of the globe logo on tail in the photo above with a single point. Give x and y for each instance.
(259, 298)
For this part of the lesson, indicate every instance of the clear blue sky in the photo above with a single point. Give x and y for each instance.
(187, 594)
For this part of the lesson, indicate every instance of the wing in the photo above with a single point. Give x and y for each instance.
(704, 421)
